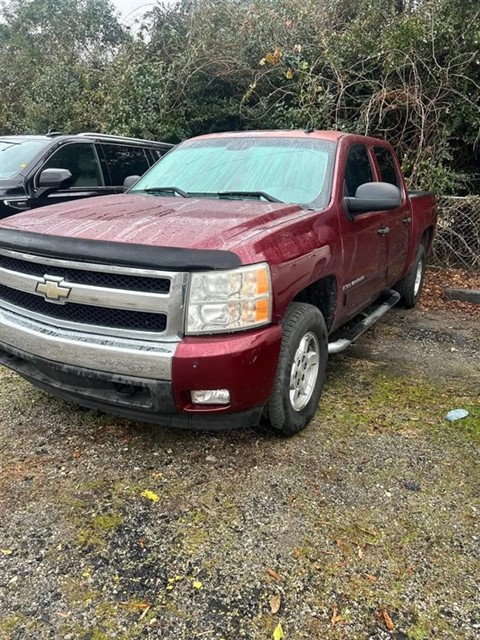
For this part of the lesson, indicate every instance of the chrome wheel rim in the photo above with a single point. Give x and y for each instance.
(418, 278)
(304, 372)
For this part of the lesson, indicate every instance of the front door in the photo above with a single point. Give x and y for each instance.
(365, 244)
(82, 162)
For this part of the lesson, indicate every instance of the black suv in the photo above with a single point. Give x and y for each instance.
(40, 170)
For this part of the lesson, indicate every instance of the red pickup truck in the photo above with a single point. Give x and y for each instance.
(211, 294)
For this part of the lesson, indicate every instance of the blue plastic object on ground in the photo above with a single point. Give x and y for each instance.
(456, 414)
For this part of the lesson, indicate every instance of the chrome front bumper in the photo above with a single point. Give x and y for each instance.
(123, 356)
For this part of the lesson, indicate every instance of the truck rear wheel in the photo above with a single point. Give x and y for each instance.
(410, 287)
(301, 370)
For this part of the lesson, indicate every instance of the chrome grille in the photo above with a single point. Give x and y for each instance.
(92, 278)
(102, 299)
(84, 313)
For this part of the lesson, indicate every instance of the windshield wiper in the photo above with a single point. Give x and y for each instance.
(247, 194)
(174, 190)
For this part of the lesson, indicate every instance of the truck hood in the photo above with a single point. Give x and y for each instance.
(197, 223)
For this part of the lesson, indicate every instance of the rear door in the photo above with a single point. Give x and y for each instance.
(120, 161)
(399, 221)
(364, 238)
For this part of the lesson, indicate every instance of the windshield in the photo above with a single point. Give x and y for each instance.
(15, 154)
(289, 170)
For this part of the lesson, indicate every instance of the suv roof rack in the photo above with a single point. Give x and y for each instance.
(114, 138)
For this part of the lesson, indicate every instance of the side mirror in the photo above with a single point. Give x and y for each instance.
(130, 181)
(374, 196)
(55, 178)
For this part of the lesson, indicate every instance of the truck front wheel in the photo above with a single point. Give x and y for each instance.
(301, 370)
(410, 287)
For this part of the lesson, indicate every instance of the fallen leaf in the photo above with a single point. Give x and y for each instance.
(274, 57)
(150, 495)
(273, 574)
(6, 552)
(371, 578)
(61, 614)
(336, 617)
(388, 621)
(275, 602)
(278, 633)
(144, 613)
(197, 584)
(371, 532)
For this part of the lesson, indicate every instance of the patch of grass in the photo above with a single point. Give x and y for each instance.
(97, 531)
(419, 631)
(371, 395)
(470, 425)
(11, 623)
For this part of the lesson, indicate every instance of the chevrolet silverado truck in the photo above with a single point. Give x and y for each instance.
(211, 294)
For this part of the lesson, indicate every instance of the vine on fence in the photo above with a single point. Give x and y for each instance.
(457, 243)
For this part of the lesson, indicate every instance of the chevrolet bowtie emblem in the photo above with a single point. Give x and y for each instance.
(52, 289)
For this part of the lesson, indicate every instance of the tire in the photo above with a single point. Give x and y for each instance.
(289, 410)
(410, 287)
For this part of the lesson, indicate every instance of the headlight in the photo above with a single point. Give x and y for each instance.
(225, 301)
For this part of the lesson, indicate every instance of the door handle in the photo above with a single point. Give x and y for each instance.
(383, 231)
(407, 220)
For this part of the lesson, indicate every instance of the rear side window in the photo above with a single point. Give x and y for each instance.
(122, 161)
(358, 170)
(81, 161)
(386, 164)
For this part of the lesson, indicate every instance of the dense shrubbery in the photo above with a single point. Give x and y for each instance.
(406, 70)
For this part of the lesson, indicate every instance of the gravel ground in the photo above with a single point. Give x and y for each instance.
(364, 526)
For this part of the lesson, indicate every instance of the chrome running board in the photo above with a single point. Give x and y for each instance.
(352, 333)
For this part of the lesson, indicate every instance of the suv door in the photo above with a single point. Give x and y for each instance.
(364, 242)
(81, 160)
(398, 220)
(120, 161)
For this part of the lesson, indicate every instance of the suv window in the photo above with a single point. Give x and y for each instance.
(81, 161)
(123, 161)
(358, 169)
(386, 164)
(15, 154)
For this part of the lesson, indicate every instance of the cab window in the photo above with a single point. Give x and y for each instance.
(386, 164)
(358, 169)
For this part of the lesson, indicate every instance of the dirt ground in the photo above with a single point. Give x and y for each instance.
(365, 526)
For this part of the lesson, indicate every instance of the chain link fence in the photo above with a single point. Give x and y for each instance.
(457, 243)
